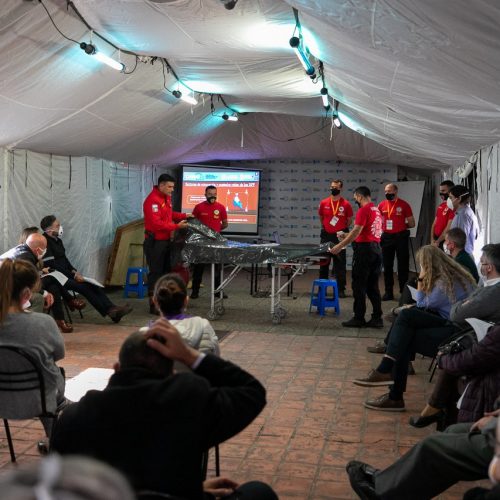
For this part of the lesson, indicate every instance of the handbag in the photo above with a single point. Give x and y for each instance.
(458, 342)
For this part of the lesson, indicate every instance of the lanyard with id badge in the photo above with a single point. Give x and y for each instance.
(334, 220)
(388, 221)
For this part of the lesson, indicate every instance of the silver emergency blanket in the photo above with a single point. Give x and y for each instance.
(203, 245)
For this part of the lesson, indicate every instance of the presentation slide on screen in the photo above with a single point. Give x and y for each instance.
(237, 190)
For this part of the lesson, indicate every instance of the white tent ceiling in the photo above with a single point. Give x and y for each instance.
(418, 79)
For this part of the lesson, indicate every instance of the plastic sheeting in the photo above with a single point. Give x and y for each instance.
(90, 197)
(418, 78)
(203, 245)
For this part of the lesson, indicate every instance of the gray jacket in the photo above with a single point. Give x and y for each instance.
(483, 303)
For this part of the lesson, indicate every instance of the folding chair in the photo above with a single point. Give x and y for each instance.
(22, 390)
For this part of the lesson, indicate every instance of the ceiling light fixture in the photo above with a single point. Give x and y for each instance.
(300, 51)
(231, 118)
(324, 97)
(191, 99)
(91, 50)
(337, 122)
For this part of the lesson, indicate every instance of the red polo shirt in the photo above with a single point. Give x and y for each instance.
(159, 218)
(394, 215)
(443, 216)
(370, 218)
(334, 214)
(211, 214)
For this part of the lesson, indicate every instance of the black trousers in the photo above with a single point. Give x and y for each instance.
(436, 463)
(157, 253)
(51, 285)
(339, 262)
(93, 294)
(395, 245)
(198, 275)
(366, 269)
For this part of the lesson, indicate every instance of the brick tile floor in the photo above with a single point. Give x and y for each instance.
(314, 421)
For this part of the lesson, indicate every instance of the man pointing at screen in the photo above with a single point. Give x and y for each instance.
(159, 222)
(213, 214)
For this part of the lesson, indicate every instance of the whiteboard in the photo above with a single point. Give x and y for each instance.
(412, 192)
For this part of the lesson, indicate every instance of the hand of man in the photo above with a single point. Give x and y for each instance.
(48, 300)
(435, 243)
(488, 415)
(219, 486)
(182, 224)
(190, 216)
(165, 339)
(79, 277)
(45, 270)
(336, 249)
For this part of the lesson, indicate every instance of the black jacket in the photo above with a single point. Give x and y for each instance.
(55, 258)
(21, 252)
(155, 429)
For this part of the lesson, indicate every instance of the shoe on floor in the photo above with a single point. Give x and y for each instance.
(384, 403)
(378, 348)
(374, 379)
(342, 294)
(361, 477)
(63, 326)
(116, 313)
(354, 323)
(194, 295)
(387, 296)
(375, 323)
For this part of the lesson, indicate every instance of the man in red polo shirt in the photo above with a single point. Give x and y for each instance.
(159, 223)
(397, 219)
(213, 214)
(367, 260)
(336, 215)
(444, 216)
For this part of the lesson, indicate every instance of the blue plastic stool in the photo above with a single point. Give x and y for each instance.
(319, 297)
(139, 288)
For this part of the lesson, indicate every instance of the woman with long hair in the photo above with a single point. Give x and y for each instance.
(34, 332)
(419, 329)
(170, 297)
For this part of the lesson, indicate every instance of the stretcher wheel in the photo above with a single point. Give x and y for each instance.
(220, 310)
(211, 315)
(276, 319)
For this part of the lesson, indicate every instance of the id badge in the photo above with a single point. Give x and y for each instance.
(388, 225)
(334, 220)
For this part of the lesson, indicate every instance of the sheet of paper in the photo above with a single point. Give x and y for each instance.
(89, 379)
(58, 276)
(413, 292)
(92, 281)
(480, 327)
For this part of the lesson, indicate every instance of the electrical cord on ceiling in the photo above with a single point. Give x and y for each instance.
(292, 138)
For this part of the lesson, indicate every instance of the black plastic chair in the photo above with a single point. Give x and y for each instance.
(22, 390)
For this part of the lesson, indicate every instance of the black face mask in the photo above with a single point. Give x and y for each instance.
(444, 196)
(390, 196)
(357, 203)
(335, 192)
(211, 199)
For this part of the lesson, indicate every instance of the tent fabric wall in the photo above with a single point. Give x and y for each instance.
(486, 172)
(91, 197)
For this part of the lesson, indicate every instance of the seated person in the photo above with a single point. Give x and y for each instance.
(33, 250)
(170, 297)
(419, 329)
(55, 259)
(36, 333)
(454, 245)
(154, 425)
(462, 453)
(481, 367)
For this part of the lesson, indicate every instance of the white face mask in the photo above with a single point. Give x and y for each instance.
(493, 474)
(449, 204)
(42, 255)
(446, 249)
(26, 303)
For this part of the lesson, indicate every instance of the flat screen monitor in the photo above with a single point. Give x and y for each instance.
(237, 189)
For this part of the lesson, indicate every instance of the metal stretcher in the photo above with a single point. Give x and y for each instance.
(202, 245)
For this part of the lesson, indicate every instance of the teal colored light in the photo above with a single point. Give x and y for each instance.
(349, 122)
(205, 125)
(309, 40)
